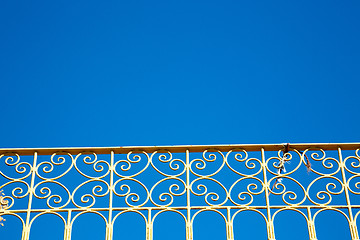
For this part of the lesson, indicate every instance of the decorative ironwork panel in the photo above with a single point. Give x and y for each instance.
(228, 179)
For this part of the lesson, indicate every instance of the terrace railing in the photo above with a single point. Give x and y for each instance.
(227, 179)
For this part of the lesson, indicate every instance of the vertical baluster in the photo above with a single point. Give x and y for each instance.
(109, 225)
(311, 225)
(68, 227)
(26, 230)
(269, 222)
(149, 226)
(352, 224)
(189, 227)
(229, 226)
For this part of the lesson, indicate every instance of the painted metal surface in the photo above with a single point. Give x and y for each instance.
(227, 179)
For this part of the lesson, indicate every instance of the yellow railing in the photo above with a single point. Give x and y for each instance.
(228, 179)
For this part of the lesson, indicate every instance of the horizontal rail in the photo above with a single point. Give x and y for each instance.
(252, 207)
(182, 148)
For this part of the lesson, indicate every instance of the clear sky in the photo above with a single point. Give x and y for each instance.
(116, 73)
(86, 73)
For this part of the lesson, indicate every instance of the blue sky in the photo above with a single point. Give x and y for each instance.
(156, 73)
(116, 73)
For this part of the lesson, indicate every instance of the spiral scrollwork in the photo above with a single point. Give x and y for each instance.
(135, 192)
(253, 186)
(284, 161)
(46, 169)
(202, 165)
(46, 189)
(175, 187)
(19, 189)
(21, 169)
(89, 191)
(100, 168)
(328, 165)
(174, 166)
(219, 196)
(352, 163)
(354, 184)
(128, 167)
(243, 165)
(226, 179)
(333, 186)
(289, 189)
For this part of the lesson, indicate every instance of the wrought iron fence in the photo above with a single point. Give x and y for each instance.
(227, 179)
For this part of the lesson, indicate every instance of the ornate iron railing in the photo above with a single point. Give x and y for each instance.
(227, 179)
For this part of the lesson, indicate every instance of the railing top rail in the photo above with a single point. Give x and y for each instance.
(182, 148)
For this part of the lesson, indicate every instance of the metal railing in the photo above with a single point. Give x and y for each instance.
(227, 179)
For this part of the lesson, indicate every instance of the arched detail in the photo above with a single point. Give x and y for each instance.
(289, 209)
(168, 210)
(127, 211)
(252, 210)
(210, 210)
(331, 209)
(13, 214)
(81, 213)
(356, 216)
(43, 213)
